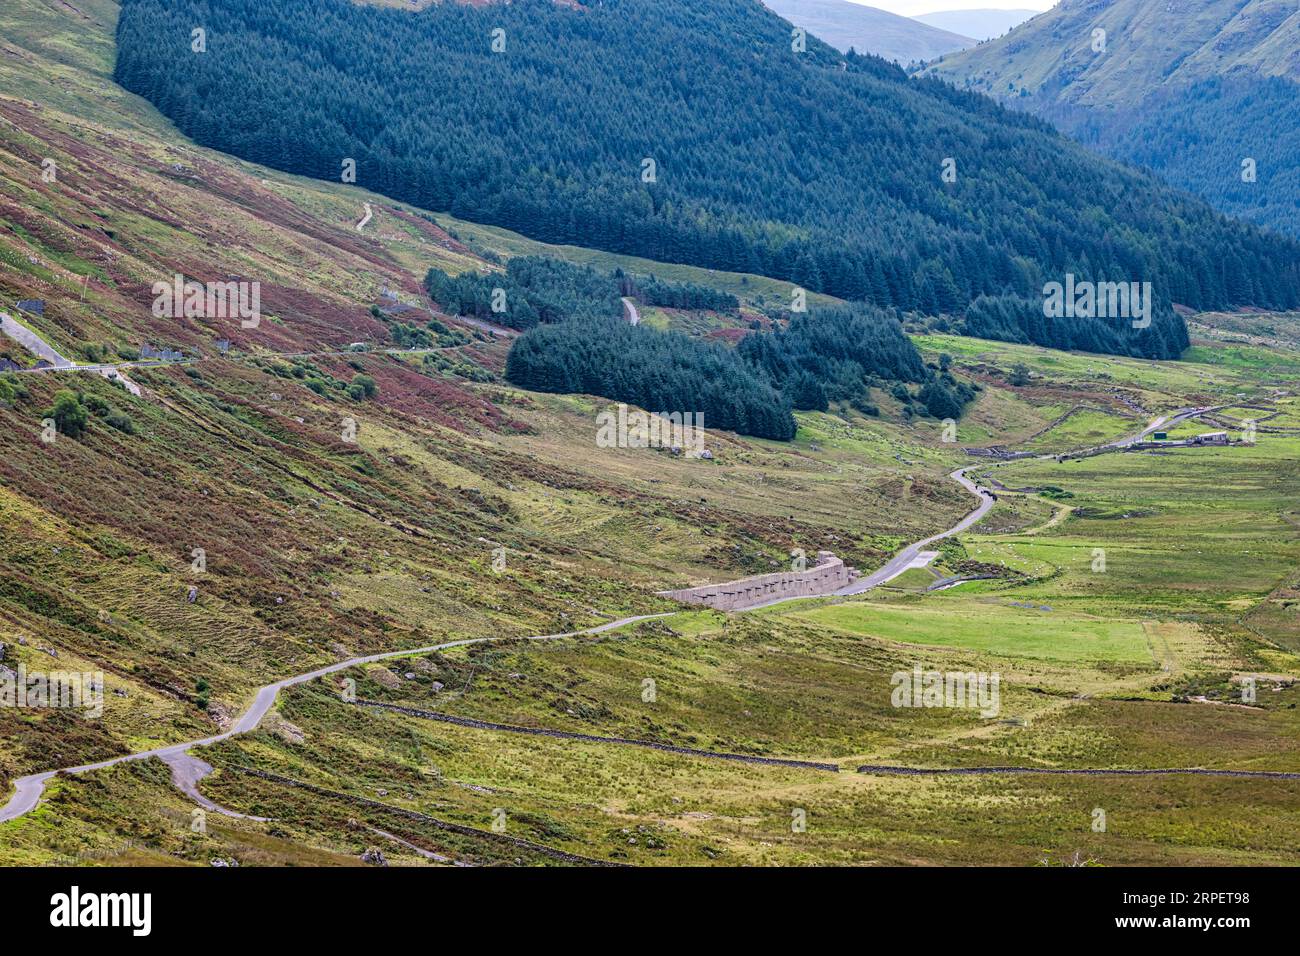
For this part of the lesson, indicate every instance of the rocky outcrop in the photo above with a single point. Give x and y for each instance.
(374, 856)
(827, 576)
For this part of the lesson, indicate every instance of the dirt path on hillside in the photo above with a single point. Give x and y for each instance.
(630, 313)
(1059, 514)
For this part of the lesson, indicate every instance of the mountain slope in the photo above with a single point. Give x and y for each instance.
(1150, 44)
(824, 170)
(1190, 89)
(977, 24)
(846, 26)
(315, 547)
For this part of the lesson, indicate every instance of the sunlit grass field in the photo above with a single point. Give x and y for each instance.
(991, 626)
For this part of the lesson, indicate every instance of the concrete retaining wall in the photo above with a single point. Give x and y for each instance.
(827, 576)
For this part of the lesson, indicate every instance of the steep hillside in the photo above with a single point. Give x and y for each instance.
(1193, 89)
(319, 539)
(852, 26)
(285, 504)
(824, 170)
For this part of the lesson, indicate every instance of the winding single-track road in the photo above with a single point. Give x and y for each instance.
(903, 560)
(908, 557)
(58, 362)
(187, 770)
(30, 788)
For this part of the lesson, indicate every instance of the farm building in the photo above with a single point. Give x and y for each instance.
(1212, 438)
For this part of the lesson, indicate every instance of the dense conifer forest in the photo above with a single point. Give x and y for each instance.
(1234, 142)
(831, 355)
(681, 295)
(532, 289)
(659, 371)
(691, 131)
(1012, 318)
(537, 289)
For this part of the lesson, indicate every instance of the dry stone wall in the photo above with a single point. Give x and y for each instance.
(827, 576)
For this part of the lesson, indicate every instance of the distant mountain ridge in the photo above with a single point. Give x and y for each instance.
(846, 26)
(977, 24)
(1204, 92)
(1149, 44)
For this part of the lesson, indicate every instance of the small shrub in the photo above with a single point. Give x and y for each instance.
(363, 386)
(12, 390)
(69, 414)
(120, 420)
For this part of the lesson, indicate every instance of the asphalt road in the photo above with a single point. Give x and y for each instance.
(187, 771)
(42, 349)
(905, 558)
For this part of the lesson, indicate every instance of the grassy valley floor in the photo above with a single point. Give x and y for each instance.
(1123, 600)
